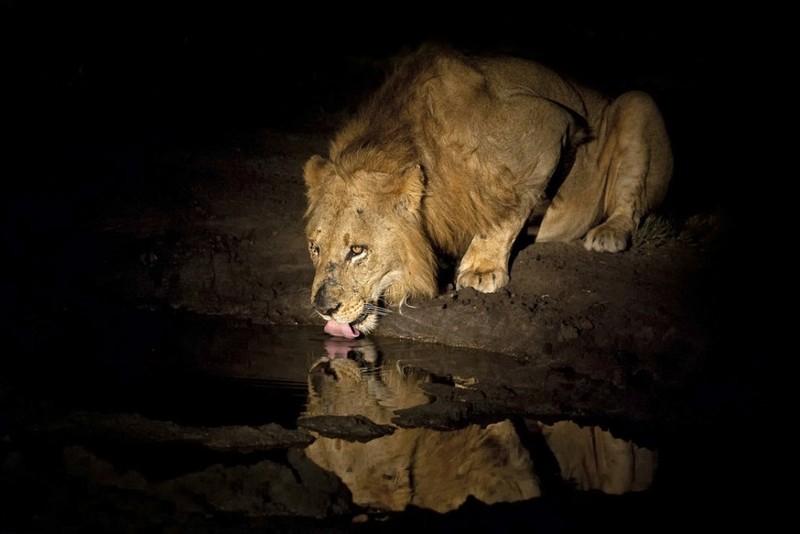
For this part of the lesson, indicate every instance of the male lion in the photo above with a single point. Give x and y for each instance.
(452, 156)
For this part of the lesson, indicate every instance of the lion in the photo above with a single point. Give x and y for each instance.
(451, 158)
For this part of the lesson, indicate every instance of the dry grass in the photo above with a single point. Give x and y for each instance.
(655, 231)
(697, 230)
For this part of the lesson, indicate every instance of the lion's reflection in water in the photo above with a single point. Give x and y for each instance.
(436, 469)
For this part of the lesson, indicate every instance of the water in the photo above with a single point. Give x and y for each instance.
(383, 419)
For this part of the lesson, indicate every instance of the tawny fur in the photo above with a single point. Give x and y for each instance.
(412, 466)
(452, 155)
(438, 470)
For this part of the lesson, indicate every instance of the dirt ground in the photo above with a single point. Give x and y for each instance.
(139, 199)
(234, 246)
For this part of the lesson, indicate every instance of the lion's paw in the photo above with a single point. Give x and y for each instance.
(485, 282)
(605, 238)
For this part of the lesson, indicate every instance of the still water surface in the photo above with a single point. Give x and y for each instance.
(348, 395)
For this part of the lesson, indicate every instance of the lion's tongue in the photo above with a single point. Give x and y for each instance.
(335, 328)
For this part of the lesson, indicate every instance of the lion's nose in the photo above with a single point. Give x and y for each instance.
(327, 310)
(323, 304)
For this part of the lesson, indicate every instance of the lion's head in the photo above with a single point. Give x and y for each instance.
(366, 240)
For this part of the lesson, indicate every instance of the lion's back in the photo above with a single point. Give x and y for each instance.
(489, 131)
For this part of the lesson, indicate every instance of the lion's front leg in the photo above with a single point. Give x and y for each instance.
(485, 264)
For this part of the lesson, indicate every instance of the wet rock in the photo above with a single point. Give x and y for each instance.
(241, 439)
(350, 428)
(440, 415)
(259, 489)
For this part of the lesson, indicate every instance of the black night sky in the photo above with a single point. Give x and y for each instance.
(101, 69)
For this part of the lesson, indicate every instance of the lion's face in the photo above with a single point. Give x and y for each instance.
(355, 260)
(364, 240)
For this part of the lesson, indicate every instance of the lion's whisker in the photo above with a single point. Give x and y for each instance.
(374, 308)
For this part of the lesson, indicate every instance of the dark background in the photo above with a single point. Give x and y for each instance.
(186, 58)
(102, 69)
(232, 60)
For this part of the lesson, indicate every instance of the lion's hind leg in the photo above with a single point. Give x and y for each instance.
(638, 172)
(613, 235)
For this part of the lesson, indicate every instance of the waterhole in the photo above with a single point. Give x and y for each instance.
(184, 417)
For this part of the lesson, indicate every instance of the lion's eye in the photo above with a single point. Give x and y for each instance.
(313, 248)
(356, 251)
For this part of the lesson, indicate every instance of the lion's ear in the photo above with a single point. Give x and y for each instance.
(410, 183)
(315, 171)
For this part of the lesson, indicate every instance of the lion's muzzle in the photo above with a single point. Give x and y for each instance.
(323, 303)
(342, 317)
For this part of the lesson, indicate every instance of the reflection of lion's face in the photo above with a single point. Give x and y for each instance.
(366, 244)
(353, 379)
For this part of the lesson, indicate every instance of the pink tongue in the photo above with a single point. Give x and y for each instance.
(341, 329)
